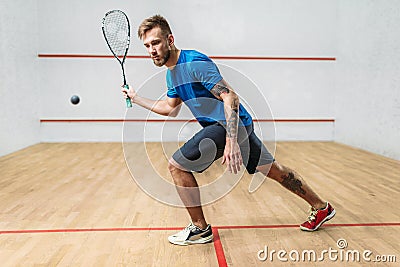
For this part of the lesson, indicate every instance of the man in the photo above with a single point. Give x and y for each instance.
(193, 79)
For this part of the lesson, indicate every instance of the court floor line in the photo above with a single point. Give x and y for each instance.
(226, 227)
(219, 250)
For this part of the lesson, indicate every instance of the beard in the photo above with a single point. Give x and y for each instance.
(160, 62)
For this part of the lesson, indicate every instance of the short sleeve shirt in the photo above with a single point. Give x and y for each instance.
(191, 80)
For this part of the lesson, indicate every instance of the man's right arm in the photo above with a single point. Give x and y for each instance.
(167, 107)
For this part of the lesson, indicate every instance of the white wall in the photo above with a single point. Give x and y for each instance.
(359, 90)
(19, 92)
(368, 76)
(284, 28)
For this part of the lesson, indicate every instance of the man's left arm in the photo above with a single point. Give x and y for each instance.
(232, 156)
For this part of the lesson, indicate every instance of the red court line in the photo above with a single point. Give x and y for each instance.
(113, 120)
(219, 250)
(213, 57)
(273, 58)
(85, 56)
(276, 226)
(118, 229)
(226, 227)
(361, 224)
(177, 120)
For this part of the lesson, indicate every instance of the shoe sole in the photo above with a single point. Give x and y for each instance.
(330, 216)
(204, 240)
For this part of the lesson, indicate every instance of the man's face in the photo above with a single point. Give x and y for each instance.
(157, 46)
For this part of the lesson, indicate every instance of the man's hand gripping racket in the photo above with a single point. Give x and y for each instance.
(116, 31)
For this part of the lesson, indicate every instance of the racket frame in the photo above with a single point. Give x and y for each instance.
(121, 62)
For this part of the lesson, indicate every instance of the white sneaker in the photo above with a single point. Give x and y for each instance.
(192, 235)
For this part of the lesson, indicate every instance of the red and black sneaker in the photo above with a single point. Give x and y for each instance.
(317, 217)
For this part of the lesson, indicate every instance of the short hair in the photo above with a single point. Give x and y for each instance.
(153, 22)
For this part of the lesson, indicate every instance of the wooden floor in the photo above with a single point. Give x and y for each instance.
(77, 205)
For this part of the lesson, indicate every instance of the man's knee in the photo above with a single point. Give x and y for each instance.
(172, 166)
(175, 167)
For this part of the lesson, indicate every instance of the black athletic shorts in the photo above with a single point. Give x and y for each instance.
(208, 145)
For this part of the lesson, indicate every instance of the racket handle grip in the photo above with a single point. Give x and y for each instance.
(128, 103)
(128, 100)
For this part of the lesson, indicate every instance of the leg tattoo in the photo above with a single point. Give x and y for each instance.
(293, 184)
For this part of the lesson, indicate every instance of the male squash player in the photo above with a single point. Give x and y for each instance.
(194, 79)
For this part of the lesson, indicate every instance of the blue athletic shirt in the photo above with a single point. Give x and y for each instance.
(191, 80)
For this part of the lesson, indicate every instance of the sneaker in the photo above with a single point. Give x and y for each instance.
(192, 235)
(317, 217)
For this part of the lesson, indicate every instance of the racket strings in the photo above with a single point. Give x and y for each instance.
(116, 31)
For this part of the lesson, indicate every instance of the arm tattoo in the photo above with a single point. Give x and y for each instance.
(231, 112)
(219, 89)
(231, 126)
(235, 105)
(292, 184)
(232, 122)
